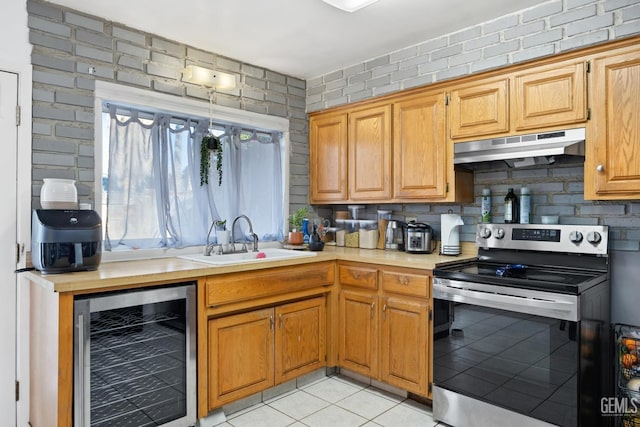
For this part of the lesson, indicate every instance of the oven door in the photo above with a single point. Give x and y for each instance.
(505, 348)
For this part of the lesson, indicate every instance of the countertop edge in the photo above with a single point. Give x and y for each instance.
(156, 271)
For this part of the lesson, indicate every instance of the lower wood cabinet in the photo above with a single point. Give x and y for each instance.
(250, 352)
(385, 330)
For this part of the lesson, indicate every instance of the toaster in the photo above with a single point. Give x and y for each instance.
(65, 240)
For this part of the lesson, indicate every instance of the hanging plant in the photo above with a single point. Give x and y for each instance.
(209, 144)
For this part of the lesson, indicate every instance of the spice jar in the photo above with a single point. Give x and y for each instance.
(368, 234)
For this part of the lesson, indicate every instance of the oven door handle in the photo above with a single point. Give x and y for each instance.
(566, 309)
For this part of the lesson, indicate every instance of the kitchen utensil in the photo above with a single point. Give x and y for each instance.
(450, 234)
(394, 235)
(419, 238)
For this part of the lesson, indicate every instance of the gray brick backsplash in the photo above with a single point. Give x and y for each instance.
(357, 78)
(431, 66)
(167, 60)
(631, 13)
(383, 60)
(626, 29)
(333, 76)
(542, 38)
(380, 81)
(84, 116)
(40, 173)
(198, 55)
(384, 70)
(590, 24)
(163, 71)
(45, 10)
(453, 72)
(94, 53)
(465, 58)
(73, 132)
(252, 71)
(130, 62)
(94, 38)
(54, 146)
(524, 30)
(125, 34)
(48, 26)
(47, 61)
(541, 11)
(480, 42)
(602, 210)
(40, 158)
(573, 15)
(431, 45)
(572, 4)
(465, 35)
(96, 70)
(343, 99)
(446, 52)
(51, 113)
(130, 49)
(167, 46)
(393, 87)
(41, 129)
(501, 49)
(588, 39)
(617, 4)
(403, 54)
(500, 24)
(84, 21)
(404, 74)
(74, 99)
(276, 98)
(293, 90)
(336, 84)
(532, 53)
(418, 81)
(136, 79)
(56, 43)
(488, 64)
(172, 88)
(296, 82)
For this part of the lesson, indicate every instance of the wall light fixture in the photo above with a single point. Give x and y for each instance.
(209, 78)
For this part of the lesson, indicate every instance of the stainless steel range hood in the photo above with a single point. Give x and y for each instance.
(515, 149)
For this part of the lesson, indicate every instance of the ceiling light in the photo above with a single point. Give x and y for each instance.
(209, 78)
(349, 5)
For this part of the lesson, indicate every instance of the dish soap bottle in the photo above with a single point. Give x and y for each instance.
(510, 207)
(486, 205)
(525, 206)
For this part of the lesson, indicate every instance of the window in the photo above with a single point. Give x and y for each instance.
(149, 166)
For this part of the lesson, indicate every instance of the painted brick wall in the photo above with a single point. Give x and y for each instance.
(549, 28)
(66, 44)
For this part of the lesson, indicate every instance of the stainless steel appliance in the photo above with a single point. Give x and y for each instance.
(419, 238)
(394, 237)
(526, 341)
(135, 358)
(65, 240)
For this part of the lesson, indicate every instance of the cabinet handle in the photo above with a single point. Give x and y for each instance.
(271, 323)
(600, 168)
(404, 280)
(384, 312)
(356, 274)
(280, 321)
(373, 306)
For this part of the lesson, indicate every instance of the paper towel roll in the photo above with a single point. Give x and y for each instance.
(449, 226)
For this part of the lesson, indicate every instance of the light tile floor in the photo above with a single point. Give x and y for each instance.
(335, 401)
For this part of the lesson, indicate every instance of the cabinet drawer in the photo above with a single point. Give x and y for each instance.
(235, 287)
(361, 277)
(406, 283)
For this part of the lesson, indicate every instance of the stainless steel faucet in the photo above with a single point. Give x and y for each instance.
(254, 236)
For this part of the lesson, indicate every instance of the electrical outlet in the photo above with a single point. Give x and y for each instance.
(410, 218)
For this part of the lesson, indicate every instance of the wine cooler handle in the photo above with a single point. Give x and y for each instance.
(80, 396)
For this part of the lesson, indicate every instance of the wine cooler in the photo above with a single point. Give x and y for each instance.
(135, 358)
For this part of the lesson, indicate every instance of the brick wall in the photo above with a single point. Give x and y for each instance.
(550, 28)
(67, 43)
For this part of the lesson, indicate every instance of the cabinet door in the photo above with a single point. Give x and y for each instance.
(612, 162)
(358, 350)
(419, 148)
(370, 154)
(240, 356)
(328, 158)
(550, 96)
(300, 338)
(480, 109)
(405, 344)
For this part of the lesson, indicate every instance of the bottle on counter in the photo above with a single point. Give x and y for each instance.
(486, 205)
(305, 230)
(511, 209)
(525, 206)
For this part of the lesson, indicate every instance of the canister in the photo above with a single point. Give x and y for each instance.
(368, 234)
(352, 233)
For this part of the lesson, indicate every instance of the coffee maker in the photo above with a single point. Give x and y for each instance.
(394, 236)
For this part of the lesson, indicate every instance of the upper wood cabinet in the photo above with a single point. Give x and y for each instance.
(612, 162)
(420, 147)
(550, 96)
(328, 157)
(536, 98)
(369, 145)
(479, 108)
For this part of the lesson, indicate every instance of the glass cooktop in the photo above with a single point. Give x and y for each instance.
(556, 279)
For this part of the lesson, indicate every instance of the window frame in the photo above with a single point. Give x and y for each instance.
(140, 98)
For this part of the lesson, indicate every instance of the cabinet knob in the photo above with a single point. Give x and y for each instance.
(600, 168)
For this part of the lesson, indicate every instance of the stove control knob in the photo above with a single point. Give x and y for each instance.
(499, 233)
(485, 233)
(594, 237)
(575, 237)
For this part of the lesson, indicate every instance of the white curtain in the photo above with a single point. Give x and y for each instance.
(154, 196)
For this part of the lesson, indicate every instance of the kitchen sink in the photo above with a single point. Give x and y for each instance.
(270, 254)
